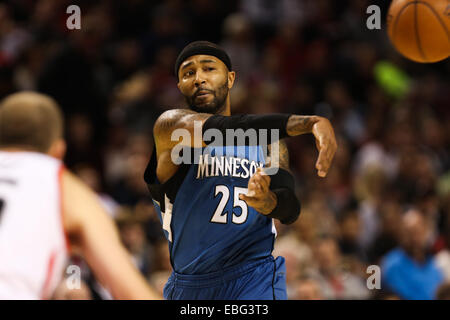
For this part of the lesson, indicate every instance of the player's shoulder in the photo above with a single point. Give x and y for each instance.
(169, 118)
(32, 160)
(169, 114)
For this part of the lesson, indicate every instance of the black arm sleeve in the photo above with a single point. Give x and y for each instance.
(274, 121)
(288, 206)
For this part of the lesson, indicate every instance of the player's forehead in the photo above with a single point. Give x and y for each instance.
(199, 59)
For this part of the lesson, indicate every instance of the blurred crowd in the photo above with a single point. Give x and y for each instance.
(386, 200)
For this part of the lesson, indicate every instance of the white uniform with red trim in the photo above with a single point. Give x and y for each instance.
(33, 245)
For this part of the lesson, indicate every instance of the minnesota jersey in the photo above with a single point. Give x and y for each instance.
(33, 248)
(208, 227)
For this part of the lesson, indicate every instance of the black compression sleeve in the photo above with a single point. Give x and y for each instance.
(275, 121)
(288, 207)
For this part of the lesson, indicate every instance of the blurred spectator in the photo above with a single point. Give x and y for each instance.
(238, 43)
(265, 83)
(73, 74)
(349, 227)
(307, 289)
(345, 111)
(130, 187)
(387, 237)
(335, 282)
(132, 234)
(369, 189)
(409, 270)
(298, 257)
(13, 38)
(265, 15)
(81, 146)
(443, 292)
(288, 47)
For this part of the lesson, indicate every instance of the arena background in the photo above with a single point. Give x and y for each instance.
(114, 76)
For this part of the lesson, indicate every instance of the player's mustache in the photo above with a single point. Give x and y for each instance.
(201, 91)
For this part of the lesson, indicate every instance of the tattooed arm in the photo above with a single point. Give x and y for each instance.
(166, 125)
(185, 119)
(194, 123)
(282, 161)
(172, 120)
(298, 125)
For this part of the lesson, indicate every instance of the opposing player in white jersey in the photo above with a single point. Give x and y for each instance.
(43, 205)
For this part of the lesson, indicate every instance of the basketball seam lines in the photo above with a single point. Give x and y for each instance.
(416, 31)
(438, 17)
(397, 18)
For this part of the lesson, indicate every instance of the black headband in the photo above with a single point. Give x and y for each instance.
(202, 47)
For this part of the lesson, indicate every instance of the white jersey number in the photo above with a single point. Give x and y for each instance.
(219, 215)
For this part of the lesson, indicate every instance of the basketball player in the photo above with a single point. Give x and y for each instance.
(217, 212)
(43, 205)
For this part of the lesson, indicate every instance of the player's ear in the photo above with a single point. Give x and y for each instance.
(231, 78)
(58, 149)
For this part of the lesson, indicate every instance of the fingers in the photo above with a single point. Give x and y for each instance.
(252, 202)
(252, 199)
(321, 165)
(261, 179)
(327, 150)
(253, 189)
(249, 198)
(258, 187)
(246, 198)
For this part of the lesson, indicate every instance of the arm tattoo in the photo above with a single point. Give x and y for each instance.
(170, 118)
(174, 119)
(283, 155)
(268, 203)
(300, 124)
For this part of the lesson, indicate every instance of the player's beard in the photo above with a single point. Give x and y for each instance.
(216, 105)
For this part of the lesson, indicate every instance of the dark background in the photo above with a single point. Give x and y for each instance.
(115, 76)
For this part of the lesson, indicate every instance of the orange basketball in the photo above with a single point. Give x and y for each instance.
(420, 29)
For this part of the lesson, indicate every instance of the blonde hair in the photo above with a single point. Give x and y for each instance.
(30, 120)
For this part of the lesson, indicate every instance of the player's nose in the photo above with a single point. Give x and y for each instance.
(199, 79)
(199, 83)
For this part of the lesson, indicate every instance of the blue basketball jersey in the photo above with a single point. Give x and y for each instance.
(208, 227)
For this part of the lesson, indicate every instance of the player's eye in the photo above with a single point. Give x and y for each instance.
(189, 73)
(210, 68)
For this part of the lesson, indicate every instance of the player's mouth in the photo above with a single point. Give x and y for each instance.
(202, 93)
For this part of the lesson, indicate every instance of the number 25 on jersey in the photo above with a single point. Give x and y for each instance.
(219, 216)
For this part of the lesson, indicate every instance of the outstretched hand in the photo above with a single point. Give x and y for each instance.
(326, 144)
